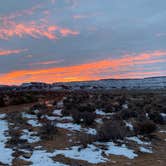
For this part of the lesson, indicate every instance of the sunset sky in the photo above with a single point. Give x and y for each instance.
(75, 40)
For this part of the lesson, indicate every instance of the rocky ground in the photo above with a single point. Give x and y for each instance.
(86, 129)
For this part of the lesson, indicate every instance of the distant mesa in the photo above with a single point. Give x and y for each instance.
(145, 83)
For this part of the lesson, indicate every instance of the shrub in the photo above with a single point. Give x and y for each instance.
(76, 116)
(17, 118)
(156, 117)
(163, 109)
(1, 102)
(38, 107)
(86, 139)
(112, 130)
(147, 108)
(109, 108)
(48, 130)
(126, 114)
(145, 127)
(68, 103)
(86, 117)
(86, 107)
(142, 117)
(66, 112)
(39, 115)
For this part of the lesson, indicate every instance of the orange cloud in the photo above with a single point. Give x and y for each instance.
(8, 52)
(89, 71)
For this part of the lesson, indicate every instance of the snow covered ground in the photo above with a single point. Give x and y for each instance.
(145, 150)
(41, 157)
(5, 153)
(138, 141)
(76, 127)
(92, 154)
(30, 136)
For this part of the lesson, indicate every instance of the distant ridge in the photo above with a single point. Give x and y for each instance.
(138, 83)
(132, 78)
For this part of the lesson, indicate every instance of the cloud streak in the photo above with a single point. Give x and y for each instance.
(10, 52)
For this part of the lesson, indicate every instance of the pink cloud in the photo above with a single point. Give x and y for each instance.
(36, 30)
(9, 27)
(65, 32)
(46, 62)
(8, 52)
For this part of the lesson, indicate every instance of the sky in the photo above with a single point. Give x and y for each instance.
(78, 40)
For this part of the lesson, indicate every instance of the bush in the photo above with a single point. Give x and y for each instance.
(86, 107)
(76, 115)
(112, 130)
(86, 117)
(1, 102)
(109, 108)
(147, 108)
(38, 107)
(156, 117)
(39, 115)
(163, 110)
(86, 139)
(48, 130)
(68, 103)
(126, 114)
(16, 117)
(145, 127)
(66, 112)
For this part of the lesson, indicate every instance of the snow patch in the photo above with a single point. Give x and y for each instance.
(90, 154)
(28, 116)
(100, 112)
(59, 118)
(94, 154)
(99, 121)
(2, 116)
(5, 153)
(118, 150)
(76, 127)
(51, 118)
(162, 131)
(125, 106)
(138, 141)
(41, 157)
(30, 136)
(145, 150)
(57, 112)
(34, 123)
(129, 125)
